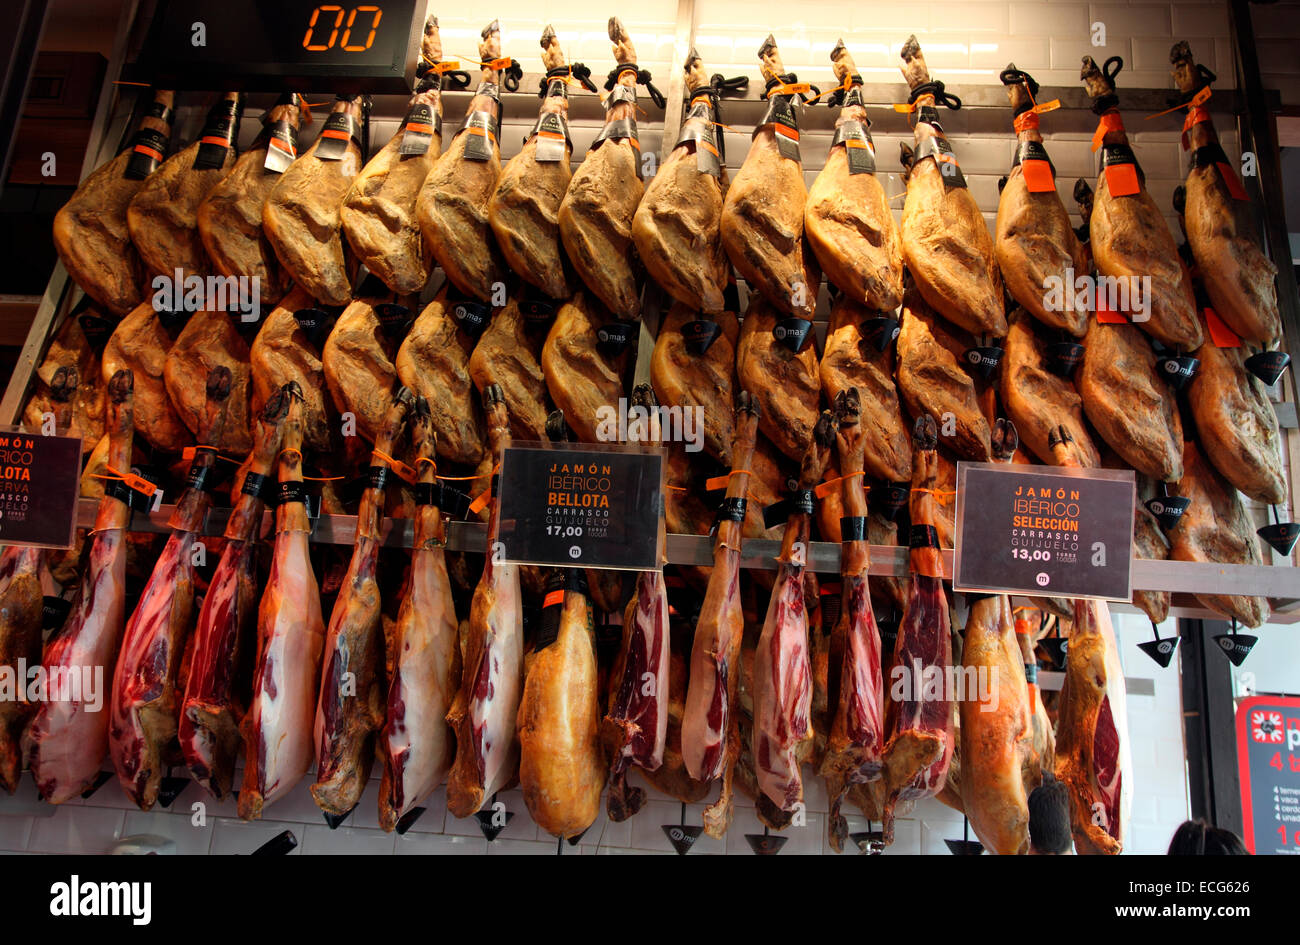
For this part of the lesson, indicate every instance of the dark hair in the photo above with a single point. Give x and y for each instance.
(1049, 817)
(1197, 838)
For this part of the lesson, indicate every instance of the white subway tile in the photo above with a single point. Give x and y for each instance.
(976, 17)
(1209, 19)
(1065, 20)
(321, 840)
(180, 828)
(15, 832)
(1278, 19)
(1028, 53)
(1131, 20)
(77, 830)
(907, 838)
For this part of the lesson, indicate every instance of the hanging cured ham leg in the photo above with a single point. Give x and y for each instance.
(163, 215)
(145, 702)
(1220, 221)
(597, 210)
(780, 369)
(782, 672)
(677, 227)
(638, 705)
(90, 231)
(1035, 242)
(525, 207)
(920, 724)
(946, 243)
(483, 713)
(21, 571)
(508, 354)
(582, 374)
(710, 727)
(350, 707)
(452, 208)
(763, 216)
(225, 641)
(1129, 238)
(67, 739)
(140, 344)
(1036, 398)
(996, 723)
(378, 212)
(848, 220)
(418, 744)
(230, 216)
(301, 217)
(683, 377)
(291, 635)
(856, 743)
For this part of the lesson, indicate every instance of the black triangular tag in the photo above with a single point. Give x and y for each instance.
(409, 818)
(1168, 509)
(1236, 646)
(1281, 536)
(1177, 371)
(892, 497)
(983, 361)
(792, 332)
(334, 820)
(766, 844)
(280, 844)
(97, 330)
(485, 817)
(1063, 357)
(471, 315)
(100, 780)
(1160, 650)
(315, 324)
(881, 331)
(170, 789)
(964, 847)
(1268, 365)
(1057, 648)
(394, 318)
(682, 837)
(613, 337)
(575, 840)
(54, 612)
(871, 842)
(700, 334)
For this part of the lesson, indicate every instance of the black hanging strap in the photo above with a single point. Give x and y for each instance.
(1110, 69)
(789, 78)
(935, 88)
(576, 69)
(836, 98)
(513, 74)
(643, 77)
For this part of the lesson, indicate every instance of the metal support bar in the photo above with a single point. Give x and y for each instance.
(1208, 725)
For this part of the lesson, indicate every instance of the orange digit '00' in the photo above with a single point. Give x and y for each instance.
(307, 43)
(374, 25)
(374, 11)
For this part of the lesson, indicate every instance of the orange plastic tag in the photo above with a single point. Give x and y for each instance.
(1230, 178)
(905, 109)
(795, 88)
(1044, 107)
(1106, 315)
(1220, 333)
(716, 482)
(1122, 180)
(480, 501)
(1038, 176)
(1109, 122)
(1194, 117)
(823, 489)
(137, 483)
(449, 65)
(496, 65)
(553, 599)
(1025, 121)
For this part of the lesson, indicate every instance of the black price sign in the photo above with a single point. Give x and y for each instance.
(582, 506)
(1044, 530)
(1268, 759)
(39, 485)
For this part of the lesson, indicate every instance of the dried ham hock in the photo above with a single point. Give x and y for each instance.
(483, 712)
(67, 739)
(417, 743)
(90, 230)
(946, 243)
(848, 221)
(378, 212)
(710, 726)
(140, 344)
(225, 638)
(69, 385)
(763, 216)
(21, 572)
(1037, 399)
(598, 207)
(208, 342)
(507, 354)
(452, 207)
(683, 377)
(277, 729)
(780, 371)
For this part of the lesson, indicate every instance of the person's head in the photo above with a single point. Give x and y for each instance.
(1049, 818)
(1197, 838)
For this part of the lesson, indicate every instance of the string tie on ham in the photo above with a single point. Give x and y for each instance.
(1109, 69)
(835, 98)
(643, 77)
(935, 88)
(782, 85)
(574, 72)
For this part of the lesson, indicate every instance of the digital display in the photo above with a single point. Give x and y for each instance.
(295, 45)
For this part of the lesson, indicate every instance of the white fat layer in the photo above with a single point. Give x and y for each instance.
(505, 652)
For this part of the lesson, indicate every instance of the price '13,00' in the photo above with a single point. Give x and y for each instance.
(1024, 554)
(315, 41)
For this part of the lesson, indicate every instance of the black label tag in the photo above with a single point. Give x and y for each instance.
(1208, 155)
(700, 334)
(258, 486)
(418, 128)
(290, 491)
(1168, 509)
(97, 330)
(203, 472)
(923, 536)
(160, 111)
(929, 115)
(853, 528)
(699, 128)
(1177, 371)
(377, 477)
(1281, 536)
(315, 324)
(148, 148)
(472, 315)
(481, 141)
(281, 147)
(1063, 357)
(859, 147)
(54, 612)
(394, 318)
(732, 509)
(881, 331)
(983, 361)
(135, 500)
(614, 130)
(537, 307)
(780, 114)
(1031, 151)
(620, 93)
(938, 148)
(1268, 365)
(799, 502)
(173, 322)
(552, 133)
(1031, 673)
(557, 87)
(1113, 155)
(453, 502)
(613, 337)
(792, 332)
(218, 137)
(428, 493)
(340, 130)
(892, 498)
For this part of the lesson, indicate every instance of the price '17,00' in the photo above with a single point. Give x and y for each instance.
(1024, 554)
(565, 531)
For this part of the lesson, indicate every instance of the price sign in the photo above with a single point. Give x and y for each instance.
(587, 506)
(1044, 530)
(1268, 759)
(39, 485)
